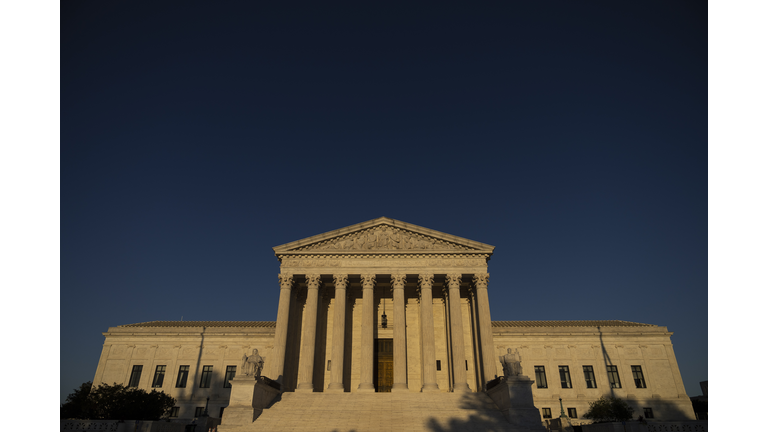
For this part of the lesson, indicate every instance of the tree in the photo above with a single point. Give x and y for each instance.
(609, 409)
(115, 402)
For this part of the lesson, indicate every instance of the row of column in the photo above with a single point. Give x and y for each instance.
(400, 378)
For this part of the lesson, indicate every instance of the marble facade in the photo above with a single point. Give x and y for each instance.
(345, 291)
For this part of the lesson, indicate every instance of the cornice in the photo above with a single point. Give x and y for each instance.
(350, 240)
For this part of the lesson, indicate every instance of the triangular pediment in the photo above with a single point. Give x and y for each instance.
(383, 235)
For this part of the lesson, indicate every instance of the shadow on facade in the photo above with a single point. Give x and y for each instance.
(606, 358)
(482, 418)
(662, 411)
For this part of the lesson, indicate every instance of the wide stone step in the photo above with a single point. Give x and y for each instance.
(361, 412)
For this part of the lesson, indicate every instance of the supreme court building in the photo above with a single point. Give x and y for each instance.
(390, 307)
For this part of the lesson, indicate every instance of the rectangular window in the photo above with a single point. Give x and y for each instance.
(565, 377)
(647, 413)
(135, 376)
(181, 380)
(199, 411)
(174, 412)
(541, 377)
(637, 375)
(572, 413)
(438, 365)
(589, 377)
(231, 370)
(546, 413)
(613, 377)
(205, 378)
(159, 377)
(466, 364)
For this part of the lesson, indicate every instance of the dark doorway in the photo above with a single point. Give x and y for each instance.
(382, 366)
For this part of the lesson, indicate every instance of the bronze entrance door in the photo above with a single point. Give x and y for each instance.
(382, 366)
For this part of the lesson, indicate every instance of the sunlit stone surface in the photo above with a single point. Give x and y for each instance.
(437, 287)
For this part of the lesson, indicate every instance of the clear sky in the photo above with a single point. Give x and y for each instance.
(196, 136)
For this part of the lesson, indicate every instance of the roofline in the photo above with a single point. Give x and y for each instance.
(482, 247)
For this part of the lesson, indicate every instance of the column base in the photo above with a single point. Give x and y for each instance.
(461, 388)
(335, 388)
(366, 388)
(399, 388)
(427, 388)
(304, 388)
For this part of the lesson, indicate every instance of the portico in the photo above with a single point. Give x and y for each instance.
(344, 291)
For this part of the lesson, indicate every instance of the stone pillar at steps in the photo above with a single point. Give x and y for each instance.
(514, 398)
(247, 400)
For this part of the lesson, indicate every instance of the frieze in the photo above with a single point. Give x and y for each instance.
(457, 261)
(382, 238)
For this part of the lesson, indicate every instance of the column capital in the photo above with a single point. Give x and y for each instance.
(286, 281)
(398, 281)
(341, 280)
(368, 280)
(426, 280)
(481, 280)
(453, 280)
(313, 281)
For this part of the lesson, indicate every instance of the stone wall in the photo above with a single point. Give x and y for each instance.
(117, 426)
(552, 346)
(172, 347)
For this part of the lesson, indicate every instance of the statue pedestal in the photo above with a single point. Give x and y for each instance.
(514, 398)
(247, 400)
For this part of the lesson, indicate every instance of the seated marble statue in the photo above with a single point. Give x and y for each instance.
(253, 364)
(511, 363)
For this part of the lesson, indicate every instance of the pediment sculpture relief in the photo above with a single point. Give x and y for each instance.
(382, 238)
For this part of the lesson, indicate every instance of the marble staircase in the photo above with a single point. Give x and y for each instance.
(362, 412)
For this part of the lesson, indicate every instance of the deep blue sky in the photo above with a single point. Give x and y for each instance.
(196, 136)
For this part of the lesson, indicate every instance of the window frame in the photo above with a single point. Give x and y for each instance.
(159, 378)
(541, 376)
(174, 412)
(613, 372)
(230, 373)
(546, 413)
(135, 378)
(589, 376)
(199, 411)
(565, 377)
(185, 375)
(637, 376)
(206, 376)
(646, 411)
(572, 413)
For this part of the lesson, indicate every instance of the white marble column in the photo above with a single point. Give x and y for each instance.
(307, 356)
(486, 331)
(428, 366)
(337, 350)
(399, 367)
(368, 281)
(281, 327)
(457, 333)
